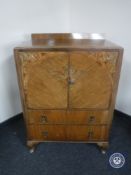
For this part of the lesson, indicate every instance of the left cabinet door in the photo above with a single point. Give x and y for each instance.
(44, 79)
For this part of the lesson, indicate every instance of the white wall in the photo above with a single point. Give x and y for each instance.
(112, 17)
(20, 18)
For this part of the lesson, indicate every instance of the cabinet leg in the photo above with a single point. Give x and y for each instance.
(103, 146)
(32, 150)
(32, 146)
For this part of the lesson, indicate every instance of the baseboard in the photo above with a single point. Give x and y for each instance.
(121, 114)
(13, 118)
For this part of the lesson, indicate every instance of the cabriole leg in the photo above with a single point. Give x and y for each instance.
(103, 146)
(32, 146)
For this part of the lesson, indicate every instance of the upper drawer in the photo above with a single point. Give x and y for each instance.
(46, 116)
(67, 117)
(87, 117)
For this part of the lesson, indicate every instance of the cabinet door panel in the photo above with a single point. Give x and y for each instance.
(91, 79)
(45, 79)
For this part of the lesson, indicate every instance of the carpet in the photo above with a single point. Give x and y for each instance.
(63, 158)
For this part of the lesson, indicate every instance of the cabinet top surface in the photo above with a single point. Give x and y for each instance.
(67, 41)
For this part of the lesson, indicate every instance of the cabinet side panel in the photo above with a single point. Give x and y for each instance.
(19, 77)
(116, 83)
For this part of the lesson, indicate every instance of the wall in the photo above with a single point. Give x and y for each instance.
(113, 18)
(19, 18)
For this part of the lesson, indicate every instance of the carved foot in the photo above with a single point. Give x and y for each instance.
(103, 151)
(32, 150)
(103, 146)
(32, 146)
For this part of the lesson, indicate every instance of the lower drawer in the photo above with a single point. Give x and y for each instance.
(46, 132)
(67, 133)
(87, 133)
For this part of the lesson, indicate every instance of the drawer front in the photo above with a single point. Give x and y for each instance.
(87, 117)
(67, 117)
(67, 133)
(47, 132)
(46, 117)
(87, 133)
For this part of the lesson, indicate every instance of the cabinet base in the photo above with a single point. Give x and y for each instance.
(32, 146)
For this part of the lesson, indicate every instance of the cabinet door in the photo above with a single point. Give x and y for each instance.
(91, 79)
(44, 77)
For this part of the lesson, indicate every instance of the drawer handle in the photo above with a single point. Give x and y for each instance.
(91, 119)
(43, 119)
(90, 134)
(45, 133)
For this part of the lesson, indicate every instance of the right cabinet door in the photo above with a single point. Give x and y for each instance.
(91, 78)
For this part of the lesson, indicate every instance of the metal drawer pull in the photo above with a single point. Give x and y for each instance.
(91, 119)
(45, 133)
(44, 119)
(90, 134)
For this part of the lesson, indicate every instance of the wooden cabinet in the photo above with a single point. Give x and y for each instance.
(68, 87)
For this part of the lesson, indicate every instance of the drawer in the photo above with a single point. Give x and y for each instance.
(68, 117)
(87, 117)
(46, 117)
(47, 132)
(67, 133)
(87, 133)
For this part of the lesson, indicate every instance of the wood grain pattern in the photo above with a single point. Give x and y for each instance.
(45, 79)
(92, 74)
(84, 133)
(88, 117)
(47, 117)
(68, 133)
(68, 88)
(67, 42)
(47, 132)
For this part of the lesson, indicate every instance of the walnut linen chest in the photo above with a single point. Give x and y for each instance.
(68, 88)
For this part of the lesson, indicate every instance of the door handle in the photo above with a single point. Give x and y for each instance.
(71, 81)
